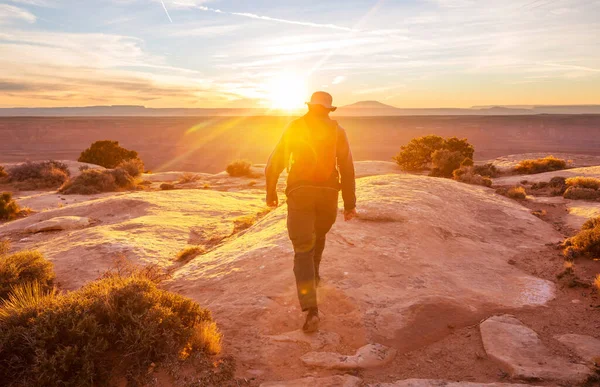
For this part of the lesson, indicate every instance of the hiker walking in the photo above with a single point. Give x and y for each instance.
(315, 151)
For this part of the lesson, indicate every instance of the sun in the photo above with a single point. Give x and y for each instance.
(287, 91)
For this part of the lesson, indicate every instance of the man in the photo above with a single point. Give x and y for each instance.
(316, 153)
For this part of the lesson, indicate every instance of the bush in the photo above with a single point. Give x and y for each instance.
(576, 193)
(24, 267)
(39, 175)
(445, 162)
(240, 168)
(487, 170)
(517, 193)
(189, 253)
(467, 163)
(417, 155)
(583, 182)
(107, 154)
(547, 164)
(585, 243)
(591, 224)
(188, 178)
(3, 173)
(9, 209)
(93, 181)
(134, 167)
(167, 187)
(111, 327)
(467, 175)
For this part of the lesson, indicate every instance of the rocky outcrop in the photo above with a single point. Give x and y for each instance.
(586, 347)
(59, 223)
(369, 356)
(519, 351)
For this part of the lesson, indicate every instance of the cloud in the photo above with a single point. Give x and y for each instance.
(39, 3)
(10, 13)
(339, 79)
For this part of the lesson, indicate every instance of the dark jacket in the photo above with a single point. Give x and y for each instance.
(315, 152)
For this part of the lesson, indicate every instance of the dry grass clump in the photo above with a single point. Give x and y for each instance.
(4, 247)
(134, 167)
(9, 209)
(583, 182)
(3, 172)
(39, 175)
(189, 178)
(586, 242)
(243, 223)
(468, 175)
(577, 193)
(240, 168)
(167, 187)
(189, 253)
(93, 181)
(517, 193)
(547, 164)
(486, 170)
(24, 267)
(597, 282)
(109, 328)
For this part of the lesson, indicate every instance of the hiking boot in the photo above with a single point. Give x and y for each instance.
(311, 324)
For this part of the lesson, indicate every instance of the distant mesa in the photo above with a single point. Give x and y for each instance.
(369, 105)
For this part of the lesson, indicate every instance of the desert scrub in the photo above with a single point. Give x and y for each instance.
(583, 182)
(109, 328)
(445, 162)
(597, 283)
(3, 172)
(189, 253)
(486, 170)
(578, 193)
(240, 168)
(547, 164)
(517, 193)
(24, 267)
(93, 181)
(38, 175)
(585, 243)
(167, 186)
(417, 155)
(469, 176)
(134, 167)
(9, 209)
(106, 153)
(188, 178)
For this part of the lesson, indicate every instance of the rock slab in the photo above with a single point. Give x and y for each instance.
(59, 223)
(586, 347)
(442, 383)
(331, 381)
(519, 351)
(369, 356)
(316, 341)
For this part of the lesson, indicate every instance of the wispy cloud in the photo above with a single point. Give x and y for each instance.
(10, 13)
(339, 79)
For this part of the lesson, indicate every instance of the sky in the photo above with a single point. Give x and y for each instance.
(273, 53)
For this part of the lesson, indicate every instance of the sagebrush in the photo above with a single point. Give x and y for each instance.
(583, 182)
(546, 164)
(93, 336)
(38, 175)
(134, 167)
(94, 181)
(586, 242)
(9, 209)
(24, 267)
(517, 193)
(240, 168)
(468, 175)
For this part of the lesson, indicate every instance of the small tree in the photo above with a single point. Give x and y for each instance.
(445, 162)
(107, 154)
(417, 154)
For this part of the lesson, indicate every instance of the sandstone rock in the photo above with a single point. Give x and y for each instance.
(369, 356)
(520, 352)
(586, 347)
(331, 381)
(59, 223)
(317, 340)
(442, 383)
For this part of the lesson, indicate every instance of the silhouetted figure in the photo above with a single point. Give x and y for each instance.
(316, 153)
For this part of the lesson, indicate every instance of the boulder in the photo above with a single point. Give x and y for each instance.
(586, 347)
(442, 383)
(519, 351)
(331, 381)
(59, 223)
(369, 356)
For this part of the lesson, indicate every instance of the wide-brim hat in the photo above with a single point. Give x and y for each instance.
(323, 99)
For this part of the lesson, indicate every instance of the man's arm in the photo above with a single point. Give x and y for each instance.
(276, 164)
(346, 168)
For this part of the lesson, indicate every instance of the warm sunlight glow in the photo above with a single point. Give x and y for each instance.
(287, 91)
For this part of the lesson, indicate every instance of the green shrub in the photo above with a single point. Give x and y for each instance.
(517, 193)
(583, 182)
(467, 175)
(23, 267)
(577, 193)
(9, 209)
(134, 167)
(111, 327)
(240, 168)
(445, 162)
(487, 170)
(107, 154)
(585, 243)
(547, 164)
(39, 175)
(417, 155)
(93, 181)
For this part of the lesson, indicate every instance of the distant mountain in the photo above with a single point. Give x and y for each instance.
(361, 108)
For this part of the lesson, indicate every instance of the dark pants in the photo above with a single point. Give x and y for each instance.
(311, 213)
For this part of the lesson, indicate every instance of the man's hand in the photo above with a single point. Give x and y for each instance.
(349, 214)
(272, 201)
